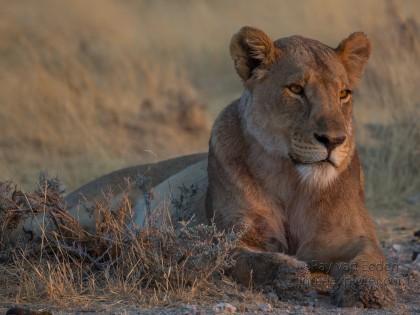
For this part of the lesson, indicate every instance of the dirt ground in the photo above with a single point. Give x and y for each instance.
(400, 238)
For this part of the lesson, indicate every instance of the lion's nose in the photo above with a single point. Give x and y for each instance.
(330, 141)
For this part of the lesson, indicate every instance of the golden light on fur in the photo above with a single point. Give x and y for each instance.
(252, 51)
(282, 158)
(354, 52)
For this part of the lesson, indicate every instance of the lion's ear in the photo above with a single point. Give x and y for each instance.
(252, 52)
(354, 53)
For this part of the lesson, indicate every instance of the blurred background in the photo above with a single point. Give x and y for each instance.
(87, 87)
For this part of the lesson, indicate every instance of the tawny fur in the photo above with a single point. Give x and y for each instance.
(269, 172)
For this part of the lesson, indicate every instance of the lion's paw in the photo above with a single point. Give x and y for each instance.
(292, 273)
(352, 291)
(292, 278)
(265, 268)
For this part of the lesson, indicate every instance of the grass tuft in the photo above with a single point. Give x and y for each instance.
(162, 263)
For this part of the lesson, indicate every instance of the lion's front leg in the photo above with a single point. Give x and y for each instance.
(363, 281)
(357, 266)
(287, 275)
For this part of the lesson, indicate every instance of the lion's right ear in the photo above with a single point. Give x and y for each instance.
(252, 52)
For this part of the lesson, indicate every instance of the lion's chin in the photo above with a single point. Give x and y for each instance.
(320, 174)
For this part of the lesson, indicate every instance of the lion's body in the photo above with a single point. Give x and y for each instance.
(117, 181)
(266, 194)
(161, 180)
(282, 164)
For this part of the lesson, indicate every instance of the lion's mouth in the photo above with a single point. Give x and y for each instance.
(326, 161)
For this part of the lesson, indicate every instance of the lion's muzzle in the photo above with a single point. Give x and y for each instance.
(319, 148)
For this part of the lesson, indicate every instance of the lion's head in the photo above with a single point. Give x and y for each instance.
(298, 98)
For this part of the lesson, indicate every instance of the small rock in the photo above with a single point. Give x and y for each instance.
(415, 255)
(397, 247)
(413, 200)
(272, 296)
(417, 233)
(224, 308)
(267, 308)
(191, 310)
(312, 293)
(417, 261)
(414, 275)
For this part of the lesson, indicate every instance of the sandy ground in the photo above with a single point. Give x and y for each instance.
(400, 237)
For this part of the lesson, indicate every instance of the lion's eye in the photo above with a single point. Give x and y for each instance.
(345, 95)
(296, 89)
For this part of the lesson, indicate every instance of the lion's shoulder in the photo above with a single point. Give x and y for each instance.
(227, 139)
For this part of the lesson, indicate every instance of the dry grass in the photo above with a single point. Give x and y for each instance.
(160, 264)
(86, 90)
(79, 99)
(388, 113)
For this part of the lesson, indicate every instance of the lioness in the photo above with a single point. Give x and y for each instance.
(283, 162)
(282, 165)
